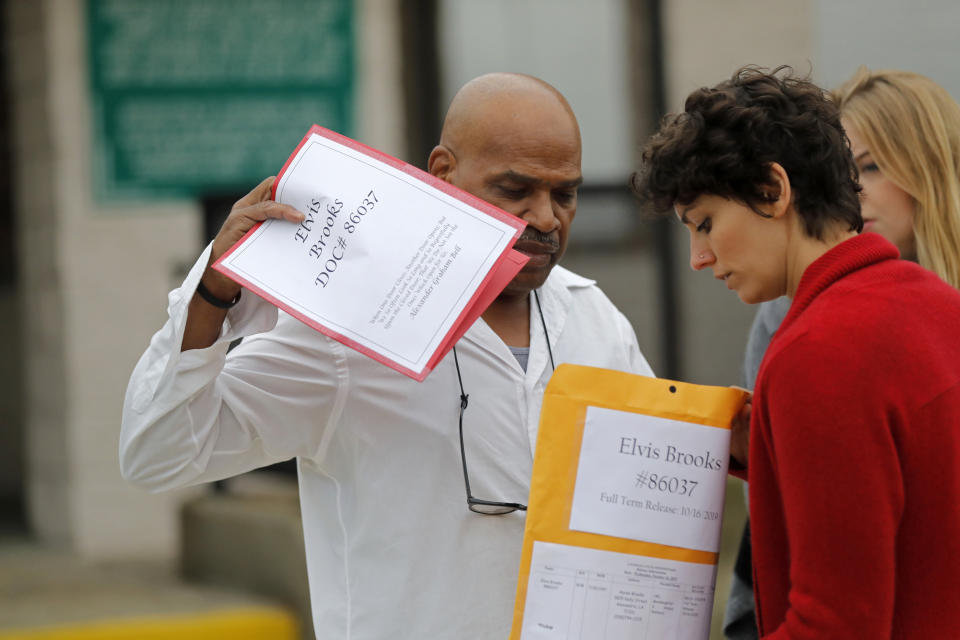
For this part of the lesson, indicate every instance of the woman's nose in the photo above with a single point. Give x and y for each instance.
(700, 256)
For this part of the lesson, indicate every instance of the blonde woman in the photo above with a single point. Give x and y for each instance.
(904, 132)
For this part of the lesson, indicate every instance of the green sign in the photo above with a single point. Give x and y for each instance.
(204, 97)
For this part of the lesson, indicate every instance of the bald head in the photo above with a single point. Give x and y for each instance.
(499, 102)
(512, 140)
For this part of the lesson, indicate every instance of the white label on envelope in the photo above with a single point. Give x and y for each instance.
(652, 479)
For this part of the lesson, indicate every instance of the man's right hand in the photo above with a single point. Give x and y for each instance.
(203, 319)
(252, 208)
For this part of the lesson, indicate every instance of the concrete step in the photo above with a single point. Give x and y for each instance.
(49, 594)
(250, 536)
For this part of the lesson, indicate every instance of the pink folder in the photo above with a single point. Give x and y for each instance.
(504, 269)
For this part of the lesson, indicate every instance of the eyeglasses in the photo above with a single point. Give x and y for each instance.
(485, 507)
(489, 507)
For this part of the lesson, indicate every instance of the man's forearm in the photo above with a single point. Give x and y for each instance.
(204, 320)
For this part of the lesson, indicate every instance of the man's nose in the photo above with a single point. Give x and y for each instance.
(539, 214)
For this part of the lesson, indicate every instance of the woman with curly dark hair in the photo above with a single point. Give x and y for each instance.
(854, 452)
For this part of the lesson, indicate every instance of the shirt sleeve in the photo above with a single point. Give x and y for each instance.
(765, 324)
(203, 415)
(832, 443)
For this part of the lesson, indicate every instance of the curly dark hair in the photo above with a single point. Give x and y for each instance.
(727, 136)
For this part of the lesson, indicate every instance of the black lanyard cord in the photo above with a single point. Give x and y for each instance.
(545, 334)
(464, 398)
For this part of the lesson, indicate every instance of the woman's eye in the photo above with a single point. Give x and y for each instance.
(869, 167)
(704, 227)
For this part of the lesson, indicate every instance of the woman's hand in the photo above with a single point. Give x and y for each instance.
(740, 431)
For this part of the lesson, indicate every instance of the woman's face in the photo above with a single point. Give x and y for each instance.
(887, 209)
(744, 249)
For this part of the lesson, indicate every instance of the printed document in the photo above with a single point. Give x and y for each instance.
(390, 260)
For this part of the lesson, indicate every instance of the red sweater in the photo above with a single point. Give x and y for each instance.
(855, 454)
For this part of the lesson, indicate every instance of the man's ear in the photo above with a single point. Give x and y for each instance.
(442, 163)
(777, 193)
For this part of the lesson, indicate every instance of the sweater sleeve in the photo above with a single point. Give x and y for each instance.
(833, 450)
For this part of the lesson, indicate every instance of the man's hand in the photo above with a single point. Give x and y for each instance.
(203, 319)
(740, 431)
(252, 208)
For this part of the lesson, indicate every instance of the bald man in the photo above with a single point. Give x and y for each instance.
(395, 545)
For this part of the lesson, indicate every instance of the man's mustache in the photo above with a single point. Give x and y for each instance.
(550, 238)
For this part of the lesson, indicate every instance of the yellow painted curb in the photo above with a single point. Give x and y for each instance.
(239, 624)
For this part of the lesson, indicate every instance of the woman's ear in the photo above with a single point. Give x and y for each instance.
(776, 192)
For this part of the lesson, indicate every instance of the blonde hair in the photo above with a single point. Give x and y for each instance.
(912, 127)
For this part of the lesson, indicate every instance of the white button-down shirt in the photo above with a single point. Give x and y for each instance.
(392, 551)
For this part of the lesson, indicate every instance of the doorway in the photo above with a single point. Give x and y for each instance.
(12, 468)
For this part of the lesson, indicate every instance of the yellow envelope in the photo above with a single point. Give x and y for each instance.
(665, 446)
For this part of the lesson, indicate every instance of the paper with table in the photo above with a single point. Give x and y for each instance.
(623, 526)
(390, 260)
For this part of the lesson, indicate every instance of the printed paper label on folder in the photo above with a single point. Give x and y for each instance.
(649, 478)
(578, 593)
(390, 260)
